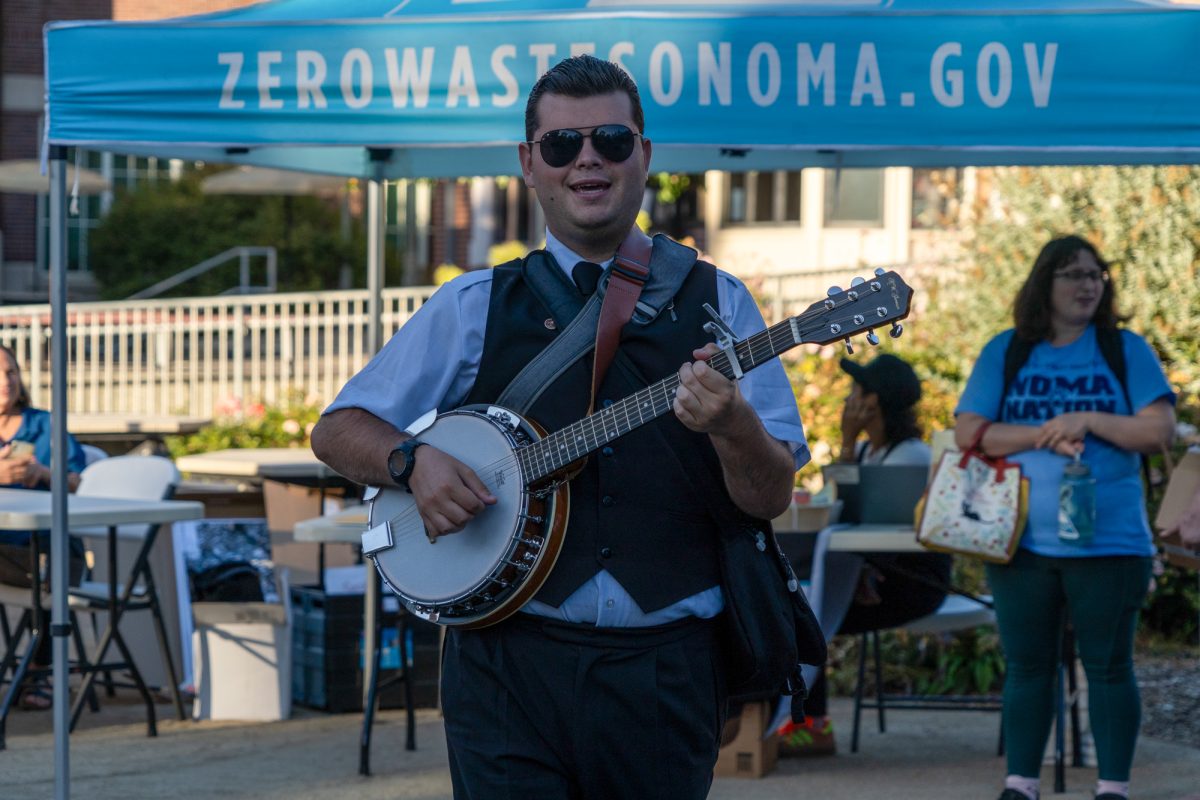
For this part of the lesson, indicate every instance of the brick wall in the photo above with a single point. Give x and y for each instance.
(21, 24)
(162, 9)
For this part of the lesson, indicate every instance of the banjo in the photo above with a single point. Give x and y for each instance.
(487, 571)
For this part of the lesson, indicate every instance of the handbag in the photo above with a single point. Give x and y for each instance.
(975, 505)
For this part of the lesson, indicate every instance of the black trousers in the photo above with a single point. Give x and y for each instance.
(543, 710)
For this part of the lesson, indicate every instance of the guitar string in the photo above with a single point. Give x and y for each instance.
(549, 449)
(758, 348)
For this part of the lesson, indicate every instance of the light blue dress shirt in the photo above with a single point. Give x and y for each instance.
(432, 362)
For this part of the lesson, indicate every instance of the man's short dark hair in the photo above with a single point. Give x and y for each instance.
(583, 76)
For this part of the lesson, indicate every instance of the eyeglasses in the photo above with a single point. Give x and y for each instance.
(614, 142)
(1081, 275)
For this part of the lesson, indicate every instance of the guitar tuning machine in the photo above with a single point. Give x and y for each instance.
(872, 338)
(849, 346)
(896, 330)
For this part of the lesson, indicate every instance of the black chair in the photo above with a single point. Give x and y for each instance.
(956, 613)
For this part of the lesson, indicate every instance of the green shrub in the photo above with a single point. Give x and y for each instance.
(239, 424)
(158, 230)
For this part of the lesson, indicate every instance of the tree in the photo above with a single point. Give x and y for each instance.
(157, 230)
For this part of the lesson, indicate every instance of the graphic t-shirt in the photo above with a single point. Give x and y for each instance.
(1060, 380)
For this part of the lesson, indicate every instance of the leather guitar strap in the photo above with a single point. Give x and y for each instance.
(629, 272)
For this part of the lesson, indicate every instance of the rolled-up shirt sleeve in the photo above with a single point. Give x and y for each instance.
(431, 362)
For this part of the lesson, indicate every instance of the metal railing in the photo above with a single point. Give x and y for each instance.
(186, 356)
(242, 254)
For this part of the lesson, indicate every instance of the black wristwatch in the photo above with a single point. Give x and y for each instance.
(401, 461)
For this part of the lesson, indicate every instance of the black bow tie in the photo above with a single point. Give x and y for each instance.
(586, 275)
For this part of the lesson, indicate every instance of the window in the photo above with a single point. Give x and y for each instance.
(854, 197)
(763, 197)
(936, 197)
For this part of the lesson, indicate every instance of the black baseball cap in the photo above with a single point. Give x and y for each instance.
(887, 376)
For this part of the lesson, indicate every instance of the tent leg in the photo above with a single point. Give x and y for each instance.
(60, 628)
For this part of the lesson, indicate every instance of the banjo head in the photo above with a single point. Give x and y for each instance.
(460, 577)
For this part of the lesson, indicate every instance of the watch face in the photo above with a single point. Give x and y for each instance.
(397, 461)
(401, 461)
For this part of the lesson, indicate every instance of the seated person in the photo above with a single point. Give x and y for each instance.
(24, 464)
(879, 426)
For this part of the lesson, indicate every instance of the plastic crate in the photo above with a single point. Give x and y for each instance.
(327, 654)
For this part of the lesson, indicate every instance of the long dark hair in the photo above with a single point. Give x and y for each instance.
(22, 392)
(899, 422)
(583, 76)
(1031, 309)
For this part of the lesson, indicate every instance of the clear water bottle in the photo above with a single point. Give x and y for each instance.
(1077, 503)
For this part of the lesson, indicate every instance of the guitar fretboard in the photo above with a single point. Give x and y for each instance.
(577, 440)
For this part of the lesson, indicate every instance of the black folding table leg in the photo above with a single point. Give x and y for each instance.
(160, 631)
(410, 724)
(371, 611)
(858, 691)
(879, 682)
(19, 668)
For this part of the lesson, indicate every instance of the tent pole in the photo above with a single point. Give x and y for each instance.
(376, 234)
(59, 573)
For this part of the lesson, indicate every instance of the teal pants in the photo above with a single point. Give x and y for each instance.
(1102, 597)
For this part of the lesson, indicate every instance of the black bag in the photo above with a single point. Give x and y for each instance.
(771, 628)
(231, 582)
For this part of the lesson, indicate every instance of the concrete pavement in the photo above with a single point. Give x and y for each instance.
(314, 756)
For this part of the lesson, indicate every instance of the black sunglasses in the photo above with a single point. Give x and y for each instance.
(614, 142)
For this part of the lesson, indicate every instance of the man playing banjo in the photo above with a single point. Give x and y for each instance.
(609, 682)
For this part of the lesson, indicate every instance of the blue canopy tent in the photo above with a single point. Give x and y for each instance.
(435, 88)
(440, 84)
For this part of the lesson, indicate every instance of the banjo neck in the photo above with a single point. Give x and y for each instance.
(866, 305)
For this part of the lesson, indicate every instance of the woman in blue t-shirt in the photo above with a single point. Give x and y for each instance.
(25, 464)
(1065, 402)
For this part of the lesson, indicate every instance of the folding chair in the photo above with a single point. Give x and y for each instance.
(126, 477)
(956, 613)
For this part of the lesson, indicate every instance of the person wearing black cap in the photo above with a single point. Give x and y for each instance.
(882, 405)
(879, 426)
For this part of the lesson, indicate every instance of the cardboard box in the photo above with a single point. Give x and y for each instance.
(242, 660)
(288, 503)
(750, 755)
(301, 558)
(223, 500)
(1185, 483)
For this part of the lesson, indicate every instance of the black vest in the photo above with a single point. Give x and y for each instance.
(634, 510)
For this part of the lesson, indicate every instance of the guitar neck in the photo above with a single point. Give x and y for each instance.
(550, 454)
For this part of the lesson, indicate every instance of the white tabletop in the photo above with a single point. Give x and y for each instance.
(125, 424)
(24, 509)
(345, 526)
(260, 462)
(875, 539)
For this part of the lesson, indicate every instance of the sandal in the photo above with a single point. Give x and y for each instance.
(37, 697)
